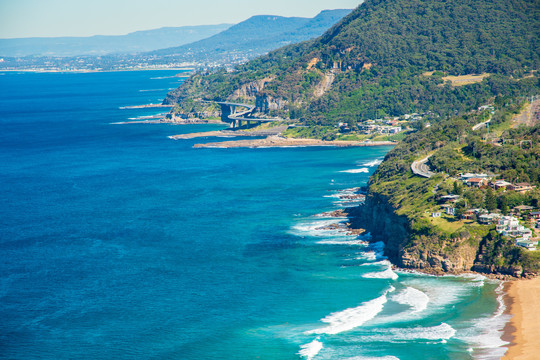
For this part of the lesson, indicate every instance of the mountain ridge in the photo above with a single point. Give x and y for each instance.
(247, 36)
(378, 56)
(137, 41)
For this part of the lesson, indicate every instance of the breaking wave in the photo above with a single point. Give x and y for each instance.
(373, 163)
(386, 274)
(352, 318)
(441, 333)
(416, 299)
(309, 351)
(356, 171)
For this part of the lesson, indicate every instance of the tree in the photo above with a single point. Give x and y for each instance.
(490, 201)
(503, 205)
(458, 188)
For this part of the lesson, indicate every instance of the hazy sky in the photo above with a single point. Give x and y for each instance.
(28, 18)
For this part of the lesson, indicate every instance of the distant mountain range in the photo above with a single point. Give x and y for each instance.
(257, 35)
(139, 41)
(201, 46)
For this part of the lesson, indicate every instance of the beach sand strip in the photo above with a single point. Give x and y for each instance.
(523, 330)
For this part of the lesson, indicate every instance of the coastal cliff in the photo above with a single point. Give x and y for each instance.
(405, 247)
(431, 254)
(409, 213)
(396, 59)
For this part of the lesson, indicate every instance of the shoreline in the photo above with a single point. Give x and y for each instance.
(277, 141)
(523, 329)
(145, 106)
(86, 71)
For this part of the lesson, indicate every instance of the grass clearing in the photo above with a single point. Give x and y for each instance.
(462, 80)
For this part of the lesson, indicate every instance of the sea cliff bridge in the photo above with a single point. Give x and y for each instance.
(230, 114)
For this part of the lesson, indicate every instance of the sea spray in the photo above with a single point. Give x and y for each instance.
(442, 333)
(356, 171)
(349, 319)
(485, 334)
(373, 163)
(310, 350)
(416, 299)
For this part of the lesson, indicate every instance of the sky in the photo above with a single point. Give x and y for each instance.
(51, 18)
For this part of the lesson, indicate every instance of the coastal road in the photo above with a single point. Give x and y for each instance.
(241, 115)
(420, 168)
(481, 125)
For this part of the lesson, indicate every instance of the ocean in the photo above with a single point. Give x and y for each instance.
(119, 243)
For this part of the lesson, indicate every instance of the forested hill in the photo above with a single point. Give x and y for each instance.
(256, 36)
(389, 57)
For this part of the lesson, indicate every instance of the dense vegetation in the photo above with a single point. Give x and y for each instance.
(394, 57)
(456, 148)
(379, 61)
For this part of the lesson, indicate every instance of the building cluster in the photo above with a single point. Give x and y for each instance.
(369, 129)
(505, 225)
(509, 226)
(483, 181)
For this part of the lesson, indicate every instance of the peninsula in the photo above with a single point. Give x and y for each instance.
(420, 92)
(459, 94)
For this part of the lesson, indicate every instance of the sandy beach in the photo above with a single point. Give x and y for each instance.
(523, 330)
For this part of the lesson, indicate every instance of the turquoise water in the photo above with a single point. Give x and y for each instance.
(117, 242)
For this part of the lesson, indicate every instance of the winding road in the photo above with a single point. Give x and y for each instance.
(420, 168)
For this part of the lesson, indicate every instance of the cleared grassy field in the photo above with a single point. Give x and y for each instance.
(465, 79)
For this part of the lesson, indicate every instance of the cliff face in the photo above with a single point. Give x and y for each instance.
(410, 249)
(406, 248)
(377, 217)
(251, 89)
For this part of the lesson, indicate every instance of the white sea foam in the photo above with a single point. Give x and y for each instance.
(416, 299)
(476, 279)
(344, 192)
(370, 255)
(485, 334)
(442, 292)
(343, 242)
(356, 171)
(373, 163)
(441, 333)
(309, 351)
(150, 90)
(386, 274)
(352, 318)
(315, 228)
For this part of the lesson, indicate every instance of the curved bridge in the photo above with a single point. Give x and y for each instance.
(229, 114)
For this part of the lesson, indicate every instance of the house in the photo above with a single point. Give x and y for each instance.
(468, 176)
(527, 244)
(436, 214)
(521, 187)
(500, 184)
(522, 208)
(451, 211)
(450, 198)
(467, 216)
(526, 233)
(535, 215)
(509, 226)
(488, 219)
(476, 182)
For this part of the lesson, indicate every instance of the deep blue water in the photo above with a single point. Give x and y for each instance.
(117, 242)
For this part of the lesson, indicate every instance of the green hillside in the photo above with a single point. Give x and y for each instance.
(454, 148)
(389, 57)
